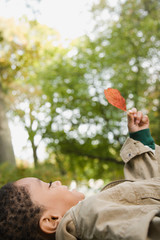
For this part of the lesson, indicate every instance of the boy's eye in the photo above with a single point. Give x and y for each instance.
(50, 184)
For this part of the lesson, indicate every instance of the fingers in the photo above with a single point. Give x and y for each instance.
(131, 114)
(137, 116)
(145, 119)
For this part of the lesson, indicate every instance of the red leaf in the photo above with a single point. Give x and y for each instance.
(114, 97)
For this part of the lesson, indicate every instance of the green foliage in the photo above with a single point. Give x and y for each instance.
(127, 43)
(46, 172)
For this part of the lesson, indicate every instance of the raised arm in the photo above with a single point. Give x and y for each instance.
(139, 152)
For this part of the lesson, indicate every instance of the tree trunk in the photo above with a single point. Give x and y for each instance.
(6, 148)
(35, 157)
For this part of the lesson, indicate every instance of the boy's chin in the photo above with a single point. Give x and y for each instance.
(79, 195)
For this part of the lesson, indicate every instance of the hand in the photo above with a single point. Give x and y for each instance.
(137, 121)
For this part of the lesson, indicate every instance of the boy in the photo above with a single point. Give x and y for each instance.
(130, 209)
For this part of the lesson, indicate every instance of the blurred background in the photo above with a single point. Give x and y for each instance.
(56, 59)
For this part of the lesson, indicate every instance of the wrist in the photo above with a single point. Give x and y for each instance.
(136, 129)
(144, 136)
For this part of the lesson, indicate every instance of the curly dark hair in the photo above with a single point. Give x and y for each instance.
(19, 216)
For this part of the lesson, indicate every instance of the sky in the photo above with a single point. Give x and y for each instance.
(71, 19)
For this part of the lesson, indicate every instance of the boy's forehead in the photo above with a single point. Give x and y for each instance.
(28, 180)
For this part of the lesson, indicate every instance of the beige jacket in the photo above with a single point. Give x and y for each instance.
(124, 210)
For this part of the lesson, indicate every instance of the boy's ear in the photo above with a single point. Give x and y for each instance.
(49, 222)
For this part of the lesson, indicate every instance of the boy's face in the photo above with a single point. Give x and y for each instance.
(53, 196)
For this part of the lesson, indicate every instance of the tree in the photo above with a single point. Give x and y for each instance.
(24, 50)
(67, 84)
(27, 100)
(129, 46)
(117, 56)
(6, 148)
(128, 41)
(63, 88)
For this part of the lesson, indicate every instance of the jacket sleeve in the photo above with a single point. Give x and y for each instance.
(140, 160)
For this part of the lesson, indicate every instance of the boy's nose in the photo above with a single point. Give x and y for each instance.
(56, 183)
